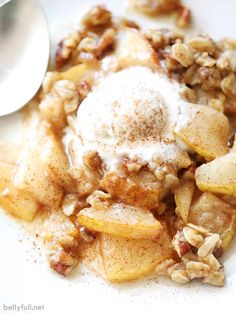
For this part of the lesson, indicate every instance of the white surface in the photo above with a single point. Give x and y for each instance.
(24, 281)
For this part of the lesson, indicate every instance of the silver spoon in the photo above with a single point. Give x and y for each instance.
(24, 52)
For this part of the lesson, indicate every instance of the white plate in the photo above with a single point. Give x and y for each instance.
(24, 274)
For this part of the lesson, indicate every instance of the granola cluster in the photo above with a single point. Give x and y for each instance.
(88, 44)
(205, 66)
(195, 247)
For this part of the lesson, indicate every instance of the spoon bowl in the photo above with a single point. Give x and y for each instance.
(24, 52)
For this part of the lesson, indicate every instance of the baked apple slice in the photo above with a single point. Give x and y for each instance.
(219, 175)
(38, 173)
(183, 198)
(215, 215)
(203, 129)
(130, 259)
(121, 220)
(133, 49)
(78, 73)
(17, 202)
(53, 156)
(140, 190)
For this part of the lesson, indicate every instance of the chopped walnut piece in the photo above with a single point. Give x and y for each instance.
(171, 63)
(184, 247)
(106, 40)
(69, 204)
(180, 244)
(210, 77)
(162, 37)
(227, 60)
(232, 60)
(191, 76)
(97, 16)
(88, 44)
(66, 90)
(100, 200)
(62, 262)
(155, 38)
(183, 17)
(189, 94)
(182, 54)
(66, 47)
(205, 60)
(155, 6)
(92, 160)
(202, 43)
(228, 85)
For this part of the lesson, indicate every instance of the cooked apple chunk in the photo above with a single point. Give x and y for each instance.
(215, 215)
(52, 110)
(33, 177)
(219, 175)
(42, 169)
(183, 198)
(140, 190)
(78, 73)
(58, 228)
(133, 49)
(121, 220)
(203, 129)
(53, 156)
(130, 259)
(17, 202)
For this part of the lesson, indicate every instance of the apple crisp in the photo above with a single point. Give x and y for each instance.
(132, 160)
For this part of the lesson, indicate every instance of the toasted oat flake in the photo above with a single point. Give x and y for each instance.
(182, 54)
(208, 246)
(180, 276)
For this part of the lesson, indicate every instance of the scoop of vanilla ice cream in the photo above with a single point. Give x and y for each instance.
(130, 113)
